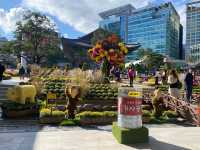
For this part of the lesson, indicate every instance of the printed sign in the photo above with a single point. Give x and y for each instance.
(134, 94)
(130, 106)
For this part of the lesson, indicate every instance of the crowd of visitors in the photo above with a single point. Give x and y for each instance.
(177, 81)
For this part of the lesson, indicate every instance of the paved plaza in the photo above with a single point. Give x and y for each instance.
(165, 137)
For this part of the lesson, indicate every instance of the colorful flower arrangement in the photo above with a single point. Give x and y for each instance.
(111, 49)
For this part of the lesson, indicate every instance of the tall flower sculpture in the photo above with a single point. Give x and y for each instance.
(110, 52)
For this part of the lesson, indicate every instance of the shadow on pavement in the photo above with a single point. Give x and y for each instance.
(155, 144)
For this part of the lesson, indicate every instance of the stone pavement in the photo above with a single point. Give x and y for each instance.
(165, 137)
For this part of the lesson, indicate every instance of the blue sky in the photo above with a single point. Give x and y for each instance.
(73, 18)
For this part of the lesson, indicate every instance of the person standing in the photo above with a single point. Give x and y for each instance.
(164, 76)
(173, 82)
(188, 85)
(131, 75)
(117, 74)
(2, 69)
(22, 73)
(157, 76)
(28, 71)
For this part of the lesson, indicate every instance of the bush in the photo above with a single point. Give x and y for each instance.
(45, 113)
(146, 107)
(90, 114)
(170, 114)
(146, 113)
(58, 113)
(74, 122)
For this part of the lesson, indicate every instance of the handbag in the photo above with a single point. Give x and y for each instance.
(179, 84)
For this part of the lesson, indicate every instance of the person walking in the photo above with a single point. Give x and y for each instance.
(22, 73)
(164, 77)
(28, 72)
(131, 74)
(174, 84)
(2, 69)
(117, 74)
(188, 85)
(157, 76)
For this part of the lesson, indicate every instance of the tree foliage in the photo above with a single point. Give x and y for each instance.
(151, 60)
(36, 35)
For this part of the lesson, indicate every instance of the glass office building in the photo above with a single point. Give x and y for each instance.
(115, 20)
(155, 27)
(193, 32)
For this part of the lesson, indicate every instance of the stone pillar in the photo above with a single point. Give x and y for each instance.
(129, 129)
(129, 108)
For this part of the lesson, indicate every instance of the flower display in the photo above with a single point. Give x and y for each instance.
(110, 49)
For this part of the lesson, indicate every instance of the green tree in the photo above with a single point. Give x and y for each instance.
(151, 59)
(36, 35)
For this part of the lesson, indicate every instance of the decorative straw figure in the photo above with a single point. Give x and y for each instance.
(73, 94)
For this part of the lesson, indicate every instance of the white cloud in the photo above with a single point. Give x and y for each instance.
(65, 35)
(81, 14)
(9, 18)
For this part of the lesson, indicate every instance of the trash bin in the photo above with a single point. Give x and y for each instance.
(129, 107)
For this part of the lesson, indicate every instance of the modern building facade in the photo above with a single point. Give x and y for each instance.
(193, 32)
(155, 27)
(116, 20)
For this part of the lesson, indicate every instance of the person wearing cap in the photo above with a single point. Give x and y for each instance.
(2, 69)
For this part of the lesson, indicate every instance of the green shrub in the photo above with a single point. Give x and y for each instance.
(90, 114)
(58, 113)
(170, 114)
(146, 113)
(159, 120)
(45, 112)
(146, 107)
(74, 122)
